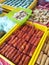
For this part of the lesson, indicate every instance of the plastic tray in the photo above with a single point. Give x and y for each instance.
(11, 14)
(40, 7)
(32, 5)
(41, 27)
(17, 21)
(5, 60)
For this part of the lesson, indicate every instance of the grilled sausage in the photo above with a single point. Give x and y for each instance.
(26, 61)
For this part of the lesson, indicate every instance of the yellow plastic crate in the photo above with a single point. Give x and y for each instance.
(40, 45)
(6, 60)
(32, 5)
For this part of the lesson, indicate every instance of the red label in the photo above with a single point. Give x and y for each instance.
(3, 62)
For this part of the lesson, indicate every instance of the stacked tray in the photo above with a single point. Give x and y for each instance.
(23, 43)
